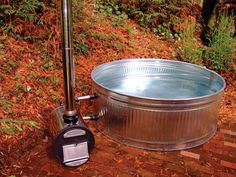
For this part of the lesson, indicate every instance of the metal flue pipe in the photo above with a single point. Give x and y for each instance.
(73, 141)
(68, 61)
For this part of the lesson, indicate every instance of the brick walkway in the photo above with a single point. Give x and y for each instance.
(215, 158)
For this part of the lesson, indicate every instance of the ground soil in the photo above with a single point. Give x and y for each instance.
(28, 153)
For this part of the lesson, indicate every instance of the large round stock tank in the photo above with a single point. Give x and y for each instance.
(157, 104)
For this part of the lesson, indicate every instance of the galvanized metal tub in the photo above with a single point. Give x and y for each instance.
(157, 104)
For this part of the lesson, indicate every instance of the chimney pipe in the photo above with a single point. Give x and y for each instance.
(70, 112)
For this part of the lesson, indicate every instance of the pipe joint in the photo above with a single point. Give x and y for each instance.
(70, 119)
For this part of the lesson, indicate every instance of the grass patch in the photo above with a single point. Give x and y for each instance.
(220, 53)
(11, 126)
(190, 49)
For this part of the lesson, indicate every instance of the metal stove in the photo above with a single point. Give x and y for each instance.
(73, 141)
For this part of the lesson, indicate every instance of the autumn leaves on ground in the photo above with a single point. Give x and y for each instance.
(32, 86)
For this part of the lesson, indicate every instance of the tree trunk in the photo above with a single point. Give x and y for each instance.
(207, 10)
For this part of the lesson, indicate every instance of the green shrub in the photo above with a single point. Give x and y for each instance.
(220, 53)
(19, 17)
(119, 19)
(154, 14)
(160, 16)
(25, 10)
(190, 50)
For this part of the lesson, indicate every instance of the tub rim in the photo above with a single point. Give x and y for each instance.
(118, 95)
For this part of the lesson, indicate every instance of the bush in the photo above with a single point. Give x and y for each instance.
(190, 49)
(30, 20)
(220, 53)
(158, 15)
(25, 10)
